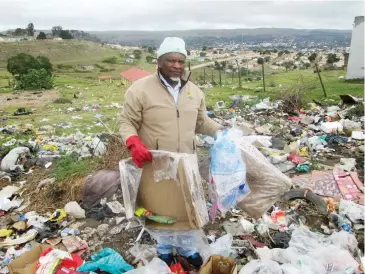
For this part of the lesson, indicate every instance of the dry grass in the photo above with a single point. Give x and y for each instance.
(116, 150)
(53, 196)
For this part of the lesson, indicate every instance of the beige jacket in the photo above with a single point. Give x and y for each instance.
(151, 113)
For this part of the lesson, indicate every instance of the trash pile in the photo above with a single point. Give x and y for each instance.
(43, 149)
(277, 192)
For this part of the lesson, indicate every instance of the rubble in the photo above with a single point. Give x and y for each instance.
(304, 211)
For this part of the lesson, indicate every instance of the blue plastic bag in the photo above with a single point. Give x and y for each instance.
(227, 171)
(107, 260)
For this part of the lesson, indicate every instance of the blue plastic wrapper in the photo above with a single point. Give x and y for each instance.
(107, 260)
(227, 171)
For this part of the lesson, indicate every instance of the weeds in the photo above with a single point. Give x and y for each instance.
(69, 166)
(62, 101)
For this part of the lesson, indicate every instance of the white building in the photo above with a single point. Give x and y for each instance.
(355, 67)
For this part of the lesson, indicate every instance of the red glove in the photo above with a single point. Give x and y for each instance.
(140, 153)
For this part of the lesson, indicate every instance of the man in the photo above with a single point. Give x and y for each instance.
(164, 111)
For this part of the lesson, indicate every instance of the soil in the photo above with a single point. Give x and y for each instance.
(27, 98)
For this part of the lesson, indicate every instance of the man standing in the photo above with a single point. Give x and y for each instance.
(164, 111)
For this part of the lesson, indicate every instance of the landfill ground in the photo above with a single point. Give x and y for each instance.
(306, 143)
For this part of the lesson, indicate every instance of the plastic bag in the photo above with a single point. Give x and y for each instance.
(74, 209)
(181, 238)
(144, 253)
(165, 165)
(355, 212)
(156, 266)
(227, 171)
(266, 182)
(316, 253)
(107, 260)
(130, 176)
(262, 267)
(223, 246)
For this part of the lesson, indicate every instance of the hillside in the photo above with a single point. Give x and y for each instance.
(65, 51)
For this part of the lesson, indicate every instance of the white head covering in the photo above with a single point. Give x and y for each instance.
(172, 45)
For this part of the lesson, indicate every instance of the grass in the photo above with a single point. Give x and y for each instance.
(69, 166)
(334, 86)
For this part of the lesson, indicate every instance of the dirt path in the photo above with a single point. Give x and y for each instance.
(27, 98)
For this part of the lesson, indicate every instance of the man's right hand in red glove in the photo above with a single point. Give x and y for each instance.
(140, 153)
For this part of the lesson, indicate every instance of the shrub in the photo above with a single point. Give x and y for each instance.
(111, 60)
(64, 66)
(62, 101)
(36, 79)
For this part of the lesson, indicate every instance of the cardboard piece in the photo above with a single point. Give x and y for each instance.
(168, 198)
(219, 265)
(27, 263)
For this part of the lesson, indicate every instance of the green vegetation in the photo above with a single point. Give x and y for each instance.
(68, 166)
(62, 101)
(31, 73)
(36, 79)
(111, 60)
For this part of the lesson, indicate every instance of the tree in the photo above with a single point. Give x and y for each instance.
(204, 48)
(56, 30)
(307, 65)
(150, 50)
(203, 54)
(261, 62)
(36, 79)
(312, 58)
(267, 59)
(281, 53)
(66, 34)
(41, 36)
(42, 62)
(188, 52)
(137, 53)
(149, 59)
(19, 32)
(288, 64)
(30, 29)
(21, 63)
(332, 58)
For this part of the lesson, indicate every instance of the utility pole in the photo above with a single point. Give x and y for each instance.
(220, 77)
(204, 75)
(239, 75)
(320, 79)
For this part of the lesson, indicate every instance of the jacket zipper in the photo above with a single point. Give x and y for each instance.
(177, 109)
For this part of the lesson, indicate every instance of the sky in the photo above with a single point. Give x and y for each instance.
(156, 15)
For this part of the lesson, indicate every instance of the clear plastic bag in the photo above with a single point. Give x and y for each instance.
(130, 176)
(181, 238)
(196, 187)
(144, 253)
(227, 171)
(165, 165)
(156, 266)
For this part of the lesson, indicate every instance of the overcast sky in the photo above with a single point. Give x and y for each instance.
(177, 14)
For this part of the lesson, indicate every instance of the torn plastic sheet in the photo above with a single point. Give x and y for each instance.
(5, 195)
(165, 168)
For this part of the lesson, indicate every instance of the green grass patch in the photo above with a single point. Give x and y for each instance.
(69, 166)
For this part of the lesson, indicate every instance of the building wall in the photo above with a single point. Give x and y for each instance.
(355, 68)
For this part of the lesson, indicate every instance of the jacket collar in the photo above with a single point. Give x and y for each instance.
(184, 78)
